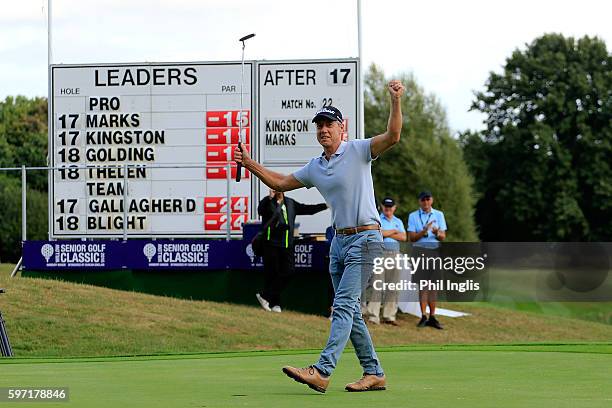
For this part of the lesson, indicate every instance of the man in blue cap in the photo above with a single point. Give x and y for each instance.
(342, 174)
(427, 228)
(393, 232)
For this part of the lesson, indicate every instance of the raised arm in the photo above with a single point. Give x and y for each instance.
(384, 142)
(309, 209)
(276, 181)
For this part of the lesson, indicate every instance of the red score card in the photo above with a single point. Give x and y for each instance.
(218, 222)
(227, 119)
(220, 173)
(219, 204)
(222, 153)
(227, 135)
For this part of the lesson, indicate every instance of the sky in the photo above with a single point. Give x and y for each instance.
(450, 46)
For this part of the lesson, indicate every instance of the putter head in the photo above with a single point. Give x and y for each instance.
(246, 37)
(2, 290)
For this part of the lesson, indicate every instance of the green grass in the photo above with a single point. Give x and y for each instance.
(47, 318)
(77, 336)
(600, 312)
(516, 376)
(527, 289)
(526, 284)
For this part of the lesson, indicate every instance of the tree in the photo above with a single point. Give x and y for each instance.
(10, 221)
(542, 167)
(23, 141)
(427, 157)
(23, 137)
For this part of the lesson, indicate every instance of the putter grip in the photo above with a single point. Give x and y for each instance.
(239, 169)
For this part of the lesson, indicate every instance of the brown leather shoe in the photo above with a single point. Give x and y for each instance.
(309, 376)
(368, 382)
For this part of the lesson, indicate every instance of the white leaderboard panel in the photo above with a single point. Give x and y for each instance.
(288, 95)
(115, 126)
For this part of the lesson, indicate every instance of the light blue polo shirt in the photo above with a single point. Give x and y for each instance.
(393, 224)
(417, 221)
(345, 182)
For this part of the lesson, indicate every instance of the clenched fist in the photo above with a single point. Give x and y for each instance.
(396, 89)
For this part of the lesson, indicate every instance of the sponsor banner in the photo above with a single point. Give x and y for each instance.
(161, 254)
(175, 254)
(51, 255)
(309, 256)
(458, 272)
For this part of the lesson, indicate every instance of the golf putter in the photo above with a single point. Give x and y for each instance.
(242, 40)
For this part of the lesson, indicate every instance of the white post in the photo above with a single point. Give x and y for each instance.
(229, 203)
(360, 68)
(23, 219)
(49, 34)
(24, 226)
(49, 96)
(125, 186)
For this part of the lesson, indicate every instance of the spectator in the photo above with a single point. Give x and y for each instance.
(278, 256)
(427, 228)
(393, 232)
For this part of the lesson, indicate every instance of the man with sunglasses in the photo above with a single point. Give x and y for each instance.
(343, 176)
(426, 229)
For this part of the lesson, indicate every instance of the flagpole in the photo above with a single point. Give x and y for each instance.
(49, 113)
(49, 34)
(360, 68)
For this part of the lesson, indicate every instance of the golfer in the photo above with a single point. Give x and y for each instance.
(342, 174)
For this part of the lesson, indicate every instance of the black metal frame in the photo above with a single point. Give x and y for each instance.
(5, 344)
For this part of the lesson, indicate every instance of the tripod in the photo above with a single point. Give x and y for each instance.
(5, 345)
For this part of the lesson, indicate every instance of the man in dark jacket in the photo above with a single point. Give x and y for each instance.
(278, 257)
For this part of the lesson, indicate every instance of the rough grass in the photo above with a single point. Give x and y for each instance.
(47, 318)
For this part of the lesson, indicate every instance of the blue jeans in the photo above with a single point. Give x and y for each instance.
(350, 266)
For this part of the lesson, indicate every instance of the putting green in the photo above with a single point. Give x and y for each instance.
(459, 377)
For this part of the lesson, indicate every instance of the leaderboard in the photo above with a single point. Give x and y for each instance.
(147, 149)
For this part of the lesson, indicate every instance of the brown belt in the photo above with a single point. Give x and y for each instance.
(355, 230)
